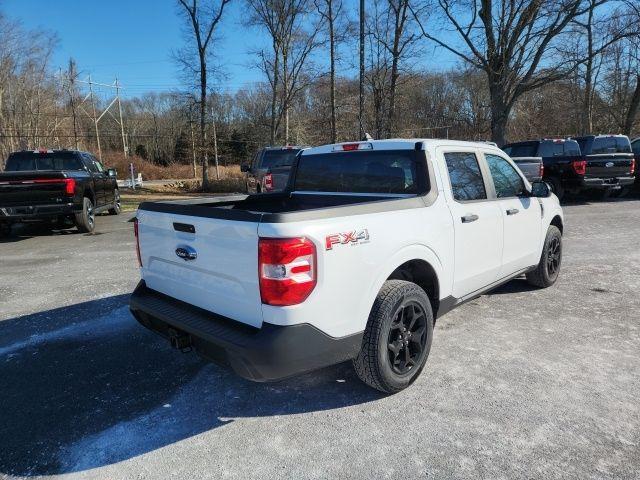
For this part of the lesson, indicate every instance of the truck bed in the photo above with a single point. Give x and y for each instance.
(282, 207)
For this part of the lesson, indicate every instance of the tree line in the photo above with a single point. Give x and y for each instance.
(522, 69)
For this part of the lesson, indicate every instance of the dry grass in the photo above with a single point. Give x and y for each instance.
(151, 171)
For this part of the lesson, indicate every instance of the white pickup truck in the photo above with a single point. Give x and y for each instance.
(368, 245)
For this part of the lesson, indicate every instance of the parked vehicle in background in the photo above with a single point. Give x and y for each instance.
(270, 168)
(61, 187)
(563, 164)
(370, 242)
(610, 165)
(532, 167)
(635, 147)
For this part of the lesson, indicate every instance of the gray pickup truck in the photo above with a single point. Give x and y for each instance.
(532, 167)
(270, 168)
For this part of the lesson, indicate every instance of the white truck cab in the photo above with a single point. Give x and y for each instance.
(369, 243)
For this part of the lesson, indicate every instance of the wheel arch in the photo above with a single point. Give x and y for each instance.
(556, 221)
(418, 262)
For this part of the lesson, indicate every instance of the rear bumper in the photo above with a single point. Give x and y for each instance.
(614, 182)
(16, 213)
(260, 354)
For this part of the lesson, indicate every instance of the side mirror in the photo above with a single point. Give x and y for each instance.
(112, 172)
(244, 168)
(540, 189)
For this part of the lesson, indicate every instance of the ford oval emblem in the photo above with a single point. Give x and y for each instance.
(609, 164)
(186, 253)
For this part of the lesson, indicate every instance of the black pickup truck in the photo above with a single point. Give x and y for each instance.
(563, 163)
(59, 187)
(609, 162)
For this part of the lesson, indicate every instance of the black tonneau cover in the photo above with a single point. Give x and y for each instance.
(287, 207)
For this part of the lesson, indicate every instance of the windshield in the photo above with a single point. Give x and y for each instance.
(521, 150)
(386, 171)
(24, 161)
(278, 158)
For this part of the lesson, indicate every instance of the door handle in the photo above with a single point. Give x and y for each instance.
(512, 211)
(469, 218)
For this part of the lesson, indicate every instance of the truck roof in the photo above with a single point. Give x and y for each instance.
(398, 144)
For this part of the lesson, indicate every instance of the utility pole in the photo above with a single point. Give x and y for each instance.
(124, 140)
(215, 144)
(361, 104)
(95, 118)
(193, 141)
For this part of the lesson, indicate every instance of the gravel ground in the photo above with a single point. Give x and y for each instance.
(521, 383)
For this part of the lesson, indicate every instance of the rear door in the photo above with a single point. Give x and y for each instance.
(98, 179)
(477, 222)
(223, 276)
(521, 215)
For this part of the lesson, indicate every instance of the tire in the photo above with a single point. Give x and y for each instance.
(116, 204)
(399, 304)
(86, 219)
(5, 229)
(556, 187)
(548, 269)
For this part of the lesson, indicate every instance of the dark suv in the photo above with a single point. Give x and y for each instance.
(564, 165)
(270, 168)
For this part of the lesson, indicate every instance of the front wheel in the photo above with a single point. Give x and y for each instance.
(115, 210)
(397, 339)
(546, 273)
(85, 220)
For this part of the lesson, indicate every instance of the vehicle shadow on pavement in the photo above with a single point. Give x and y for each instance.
(25, 231)
(86, 386)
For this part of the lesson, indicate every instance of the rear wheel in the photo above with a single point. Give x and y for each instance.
(546, 273)
(86, 219)
(115, 210)
(5, 229)
(556, 186)
(397, 339)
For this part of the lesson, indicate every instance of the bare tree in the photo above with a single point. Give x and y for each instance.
(294, 36)
(203, 19)
(512, 42)
(330, 11)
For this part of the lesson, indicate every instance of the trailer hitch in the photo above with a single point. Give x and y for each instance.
(180, 340)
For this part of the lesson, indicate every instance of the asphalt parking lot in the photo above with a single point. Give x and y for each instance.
(521, 383)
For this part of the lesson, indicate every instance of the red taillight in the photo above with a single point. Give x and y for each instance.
(287, 270)
(633, 166)
(541, 170)
(579, 166)
(69, 186)
(135, 232)
(268, 182)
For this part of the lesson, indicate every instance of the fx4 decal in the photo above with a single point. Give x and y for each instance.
(353, 237)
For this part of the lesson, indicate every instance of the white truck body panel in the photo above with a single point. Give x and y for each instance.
(222, 279)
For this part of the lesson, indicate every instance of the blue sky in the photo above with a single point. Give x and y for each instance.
(133, 40)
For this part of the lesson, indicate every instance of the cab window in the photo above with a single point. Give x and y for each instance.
(507, 181)
(466, 179)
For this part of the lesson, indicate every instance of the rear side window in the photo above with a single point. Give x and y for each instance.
(278, 158)
(506, 180)
(521, 150)
(384, 171)
(635, 146)
(23, 161)
(465, 176)
(610, 145)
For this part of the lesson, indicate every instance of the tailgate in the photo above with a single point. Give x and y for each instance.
(530, 166)
(32, 188)
(223, 276)
(609, 165)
